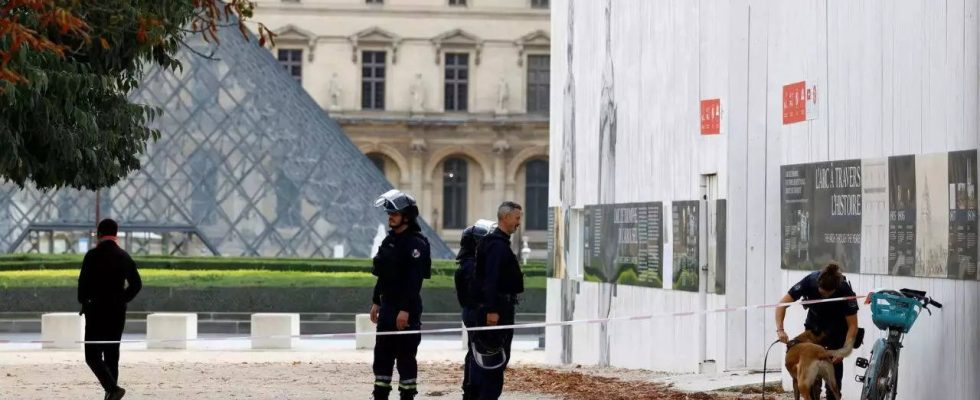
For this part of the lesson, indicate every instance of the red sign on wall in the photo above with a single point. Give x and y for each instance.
(711, 117)
(794, 103)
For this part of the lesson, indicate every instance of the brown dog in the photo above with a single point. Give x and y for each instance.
(806, 360)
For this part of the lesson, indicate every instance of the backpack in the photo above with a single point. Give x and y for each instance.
(465, 281)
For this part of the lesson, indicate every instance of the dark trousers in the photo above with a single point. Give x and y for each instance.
(104, 323)
(470, 390)
(390, 350)
(491, 382)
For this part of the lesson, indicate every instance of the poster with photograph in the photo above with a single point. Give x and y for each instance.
(874, 216)
(901, 215)
(932, 215)
(556, 240)
(929, 202)
(962, 261)
(624, 244)
(686, 237)
(821, 215)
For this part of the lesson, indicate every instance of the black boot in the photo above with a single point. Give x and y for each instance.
(381, 393)
(406, 394)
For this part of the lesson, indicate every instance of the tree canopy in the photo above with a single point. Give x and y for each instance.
(66, 70)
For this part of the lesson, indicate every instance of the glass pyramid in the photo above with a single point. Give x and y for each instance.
(247, 165)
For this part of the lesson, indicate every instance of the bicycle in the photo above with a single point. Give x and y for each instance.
(894, 312)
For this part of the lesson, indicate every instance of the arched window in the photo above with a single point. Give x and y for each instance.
(536, 195)
(378, 160)
(454, 182)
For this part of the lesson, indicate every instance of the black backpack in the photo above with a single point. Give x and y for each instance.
(465, 280)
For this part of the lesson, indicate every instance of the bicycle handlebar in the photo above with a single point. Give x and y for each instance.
(921, 296)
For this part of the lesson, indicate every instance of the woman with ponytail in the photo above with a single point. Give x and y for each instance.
(835, 321)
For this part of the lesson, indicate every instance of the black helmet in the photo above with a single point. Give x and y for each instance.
(488, 349)
(396, 201)
(472, 236)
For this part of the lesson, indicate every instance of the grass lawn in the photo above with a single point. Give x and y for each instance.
(224, 278)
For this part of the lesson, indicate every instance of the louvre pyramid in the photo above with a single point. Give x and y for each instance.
(247, 162)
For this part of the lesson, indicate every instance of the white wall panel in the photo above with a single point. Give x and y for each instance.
(893, 78)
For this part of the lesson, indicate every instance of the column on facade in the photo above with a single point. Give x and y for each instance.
(500, 150)
(420, 185)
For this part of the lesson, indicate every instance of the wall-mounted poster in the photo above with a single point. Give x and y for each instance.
(901, 215)
(821, 215)
(963, 215)
(556, 240)
(874, 216)
(686, 237)
(932, 207)
(932, 215)
(624, 244)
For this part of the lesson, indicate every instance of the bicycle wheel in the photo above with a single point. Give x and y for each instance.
(883, 385)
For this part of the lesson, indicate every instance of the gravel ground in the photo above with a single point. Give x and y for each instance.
(338, 373)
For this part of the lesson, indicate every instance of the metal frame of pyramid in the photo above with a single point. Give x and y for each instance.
(247, 162)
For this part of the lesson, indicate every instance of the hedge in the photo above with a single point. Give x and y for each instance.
(18, 262)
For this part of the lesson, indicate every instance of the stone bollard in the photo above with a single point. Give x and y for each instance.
(362, 323)
(64, 330)
(274, 324)
(177, 328)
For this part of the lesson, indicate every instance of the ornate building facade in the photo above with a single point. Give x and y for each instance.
(449, 98)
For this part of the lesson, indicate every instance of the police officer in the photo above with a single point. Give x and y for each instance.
(401, 264)
(835, 321)
(465, 287)
(500, 281)
(108, 280)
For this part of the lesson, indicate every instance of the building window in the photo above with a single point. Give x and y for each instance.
(536, 194)
(292, 61)
(373, 80)
(539, 3)
(454, 182)
(457, 81)
(378, 160)
(538, 83)
(375, 1)
(457, 2)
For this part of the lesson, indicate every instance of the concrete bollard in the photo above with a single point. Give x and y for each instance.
(362, 323)
(466, 336)
(178, 327)
(65, 330)
(274, 324)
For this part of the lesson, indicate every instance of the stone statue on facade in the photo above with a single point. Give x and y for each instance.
(503, 94)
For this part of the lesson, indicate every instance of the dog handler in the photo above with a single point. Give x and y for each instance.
(836, 321)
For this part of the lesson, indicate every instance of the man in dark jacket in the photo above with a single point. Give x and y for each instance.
(402, 263)
(500, 280)
(465, 284)
(108, 281)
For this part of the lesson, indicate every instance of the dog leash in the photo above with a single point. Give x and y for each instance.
(764, 369)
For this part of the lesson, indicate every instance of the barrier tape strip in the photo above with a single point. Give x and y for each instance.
(455, 330)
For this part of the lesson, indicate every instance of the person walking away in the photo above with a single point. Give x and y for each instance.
(401, 264)
(108, 281)
(500, 281)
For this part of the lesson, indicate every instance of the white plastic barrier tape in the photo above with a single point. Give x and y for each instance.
(474, 329)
